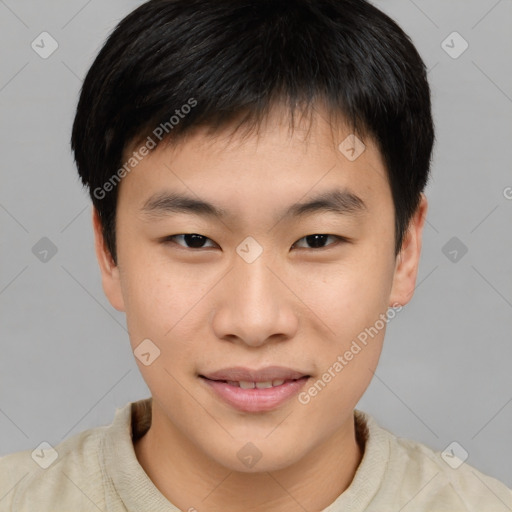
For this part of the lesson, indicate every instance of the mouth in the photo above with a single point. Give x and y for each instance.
(243, 374)
(255, 390)
(245, 384)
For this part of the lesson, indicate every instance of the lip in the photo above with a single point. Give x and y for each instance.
(239, 373)
(255, 399)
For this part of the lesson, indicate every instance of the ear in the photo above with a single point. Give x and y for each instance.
(109, 270)
(407, 261)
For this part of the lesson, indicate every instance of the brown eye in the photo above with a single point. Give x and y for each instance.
(318, 241)
(191, 240)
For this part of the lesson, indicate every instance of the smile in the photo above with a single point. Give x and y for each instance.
(255, 395)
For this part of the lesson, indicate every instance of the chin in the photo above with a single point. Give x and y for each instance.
(256, 457)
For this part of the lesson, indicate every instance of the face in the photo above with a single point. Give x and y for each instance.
(258, 280)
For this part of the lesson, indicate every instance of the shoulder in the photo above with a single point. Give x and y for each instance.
(453, 478)
(421, 478)
(67, 475)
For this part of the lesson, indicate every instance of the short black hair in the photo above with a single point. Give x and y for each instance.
(174, 65)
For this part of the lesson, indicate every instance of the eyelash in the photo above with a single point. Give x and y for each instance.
(340, 239)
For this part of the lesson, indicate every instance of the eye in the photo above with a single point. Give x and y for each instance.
(196, 241)
(318, 240)
(193, 240)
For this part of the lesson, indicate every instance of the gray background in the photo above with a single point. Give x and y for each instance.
(444, 375)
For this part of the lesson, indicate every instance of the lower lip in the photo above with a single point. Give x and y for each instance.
(255, 400)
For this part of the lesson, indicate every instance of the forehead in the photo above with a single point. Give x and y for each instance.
(275, 165)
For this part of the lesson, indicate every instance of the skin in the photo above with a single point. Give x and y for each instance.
(295, 305)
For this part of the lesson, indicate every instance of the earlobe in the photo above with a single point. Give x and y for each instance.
(110, 276)
(407, 261)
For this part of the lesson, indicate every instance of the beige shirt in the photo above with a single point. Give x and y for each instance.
(97, 469)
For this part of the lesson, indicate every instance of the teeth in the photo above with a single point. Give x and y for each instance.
(260, 385)
(263, 385)
(247, 385)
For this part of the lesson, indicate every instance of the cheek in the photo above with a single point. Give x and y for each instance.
(351, 300)
(156, 296)
(349, 295)
(168, 304)
(159, 300)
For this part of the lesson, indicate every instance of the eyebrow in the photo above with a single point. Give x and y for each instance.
(162, 204)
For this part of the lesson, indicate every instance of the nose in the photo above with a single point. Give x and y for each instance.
(255, 306)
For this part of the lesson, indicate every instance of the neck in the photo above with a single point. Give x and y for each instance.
(191, 480)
